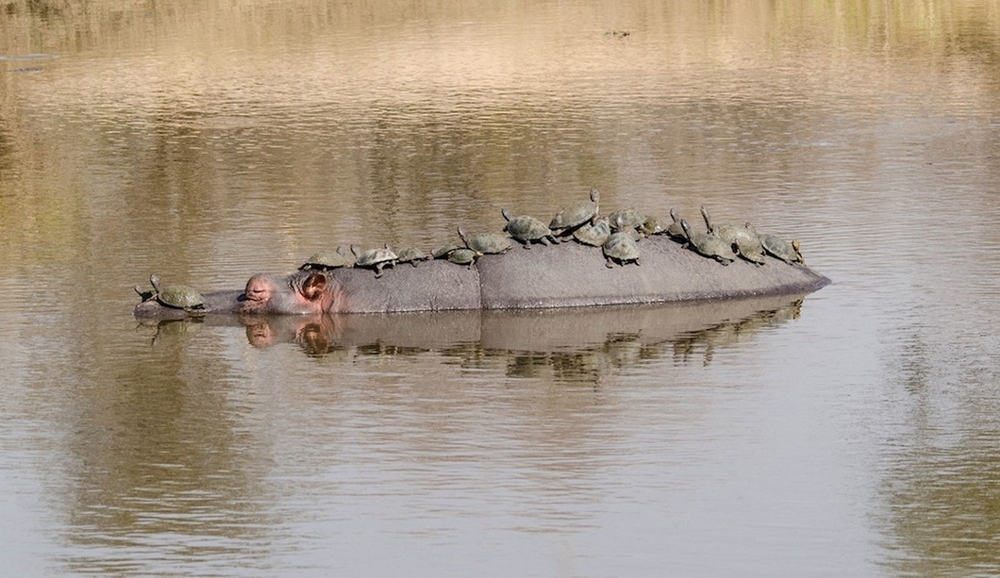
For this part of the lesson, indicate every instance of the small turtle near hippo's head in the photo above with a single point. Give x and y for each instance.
(375, 259)
(326, 260)
(173, 296)
(709, 245)
(781, 249)
(567, 220)
(621, 248)
(485, 243)
(526, 229)
(411, 255)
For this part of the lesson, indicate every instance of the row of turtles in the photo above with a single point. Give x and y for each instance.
(616, 234)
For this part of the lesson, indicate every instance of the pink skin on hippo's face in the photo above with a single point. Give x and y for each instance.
(297, 294)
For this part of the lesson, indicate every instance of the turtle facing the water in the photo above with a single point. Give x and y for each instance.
(779, 248)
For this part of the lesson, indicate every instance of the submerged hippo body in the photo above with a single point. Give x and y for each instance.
(564, 275)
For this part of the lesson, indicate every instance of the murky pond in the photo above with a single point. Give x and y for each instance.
(852, 432)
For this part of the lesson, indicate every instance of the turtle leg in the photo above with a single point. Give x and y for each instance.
(378, 270)
(609, 264)
(527, 244)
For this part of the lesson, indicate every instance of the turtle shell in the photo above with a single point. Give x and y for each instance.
(651, 226)
(709, 245)
(745, 239)
(595, 235)
(625, 219)
(782, 249)
(486, 243)
(325, 260)
(443, 251)
(621, 248)
(411, 255)
(373, 257)
(578, 214)
(526, 228)
(464, 256)
(177, 296)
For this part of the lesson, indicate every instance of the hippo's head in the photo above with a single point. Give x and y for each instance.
(302, 292)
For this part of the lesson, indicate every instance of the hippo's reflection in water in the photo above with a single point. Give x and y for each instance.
(568, 345)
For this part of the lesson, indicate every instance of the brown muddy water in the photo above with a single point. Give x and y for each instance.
(855, 432)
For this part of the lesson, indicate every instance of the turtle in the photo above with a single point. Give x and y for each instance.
(464, 256)
(674, 229)
(574, 216)
(709, 245)
(743, 237)
(375, 259)
(326, 260)
(620, 248)
(651, 226)
(624, 219)
(173, 296)
(485, 243)
(777, 247)
(595, 235)
(620, 224)
(526, 229)
(411, 255)
(443, 251)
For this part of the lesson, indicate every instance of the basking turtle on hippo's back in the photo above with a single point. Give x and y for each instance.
(173, 296)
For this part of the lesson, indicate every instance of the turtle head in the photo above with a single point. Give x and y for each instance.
(595, 195)
(355, 252)
(687, 228)
(461, 235)
(708, 221)
(673, 215)
(506, 215)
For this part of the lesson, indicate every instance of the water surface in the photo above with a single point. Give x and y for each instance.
(853, 432)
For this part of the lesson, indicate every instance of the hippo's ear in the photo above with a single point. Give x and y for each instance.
(313, 286)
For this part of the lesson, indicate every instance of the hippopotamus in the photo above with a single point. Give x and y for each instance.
(562, 275)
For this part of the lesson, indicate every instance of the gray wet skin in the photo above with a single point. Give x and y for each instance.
(563, 275)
